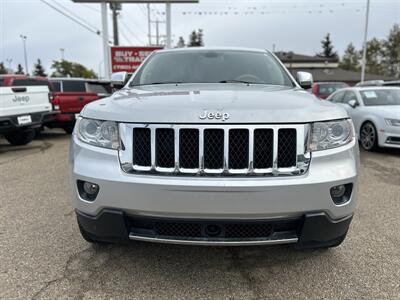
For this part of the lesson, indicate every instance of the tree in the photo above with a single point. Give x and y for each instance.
(66, 68)
(3, 69)
(327, 48)
(181, 43)
(196, 38)
(20, 69)
(39, 69)
(374, 57)
(391, 52)
(351, 59)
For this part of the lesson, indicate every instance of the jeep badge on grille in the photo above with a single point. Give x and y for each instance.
(211, 116)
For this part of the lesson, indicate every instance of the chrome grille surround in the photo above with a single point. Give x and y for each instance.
(303, 156)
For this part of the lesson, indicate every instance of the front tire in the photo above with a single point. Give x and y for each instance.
(368, 137)
(21, 137)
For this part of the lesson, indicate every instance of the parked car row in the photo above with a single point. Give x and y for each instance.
(29, 103)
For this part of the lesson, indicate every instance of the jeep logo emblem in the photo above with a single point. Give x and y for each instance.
(211, 116)
(21, 99)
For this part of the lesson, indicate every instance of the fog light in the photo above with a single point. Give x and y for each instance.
(341, 193)
(338, 191)
(90, 188)
(87, 190)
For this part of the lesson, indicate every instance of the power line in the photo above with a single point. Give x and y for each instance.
(130, 31)
(98, 32)
(74, 14)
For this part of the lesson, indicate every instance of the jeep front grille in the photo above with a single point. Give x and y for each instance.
(214, 149)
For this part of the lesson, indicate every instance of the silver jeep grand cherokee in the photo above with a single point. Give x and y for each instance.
(214, 146)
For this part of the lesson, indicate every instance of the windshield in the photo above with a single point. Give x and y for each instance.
(381, 97)
(209, 66)
(31, 82)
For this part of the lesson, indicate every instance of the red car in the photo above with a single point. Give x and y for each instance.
(323, 89)
(70, 95)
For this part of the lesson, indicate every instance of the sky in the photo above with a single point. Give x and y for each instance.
(286, 25)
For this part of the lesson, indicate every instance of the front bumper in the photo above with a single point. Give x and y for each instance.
(309, 230)
(214, 199)
(389, 137)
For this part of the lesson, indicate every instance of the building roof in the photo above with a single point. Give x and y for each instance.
(337, 74)
(286, 57)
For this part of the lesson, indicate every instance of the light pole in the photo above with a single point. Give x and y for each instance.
(62, 53)
(364, 57)
(24, 37)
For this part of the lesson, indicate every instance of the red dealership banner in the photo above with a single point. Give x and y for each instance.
(128, 59)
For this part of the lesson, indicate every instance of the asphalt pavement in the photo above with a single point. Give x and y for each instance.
(42, 255)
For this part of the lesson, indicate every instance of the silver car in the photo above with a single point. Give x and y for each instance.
(375, 112)
(214, 146)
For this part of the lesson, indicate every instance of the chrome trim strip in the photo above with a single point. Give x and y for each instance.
(211, 243)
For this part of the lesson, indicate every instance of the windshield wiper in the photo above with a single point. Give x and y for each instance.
(236, 81)
(161, 82)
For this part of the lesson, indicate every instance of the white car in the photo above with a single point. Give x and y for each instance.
(375, 112)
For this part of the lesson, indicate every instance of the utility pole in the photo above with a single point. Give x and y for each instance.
(116, 8)
(24, 37)
(62, 53)
(364, 57)
(106, 50)
(168, 20)
(149, 23)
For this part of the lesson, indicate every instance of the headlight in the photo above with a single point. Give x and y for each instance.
(392, 122)
(98, 133)
(332, 134)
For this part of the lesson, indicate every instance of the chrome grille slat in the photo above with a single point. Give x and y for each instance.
(245, 136)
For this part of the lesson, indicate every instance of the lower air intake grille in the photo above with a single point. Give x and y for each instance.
(186, 229)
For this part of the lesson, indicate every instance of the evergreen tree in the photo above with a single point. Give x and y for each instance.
(200, 38)
(351, 59)
(20, 69)
(66, 68)
(3, 69)
(196, 38)
(192, 39)
(39, 69)
(391, 51)
(374, 59)
(181, 43)
(327, 48)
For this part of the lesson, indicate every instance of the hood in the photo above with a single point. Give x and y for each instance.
(213, 103)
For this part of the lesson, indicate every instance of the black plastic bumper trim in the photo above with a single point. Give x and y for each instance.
(316, 228)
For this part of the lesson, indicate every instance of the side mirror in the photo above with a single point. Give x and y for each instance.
(119, 79)
(353, 103)
(305, 80)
